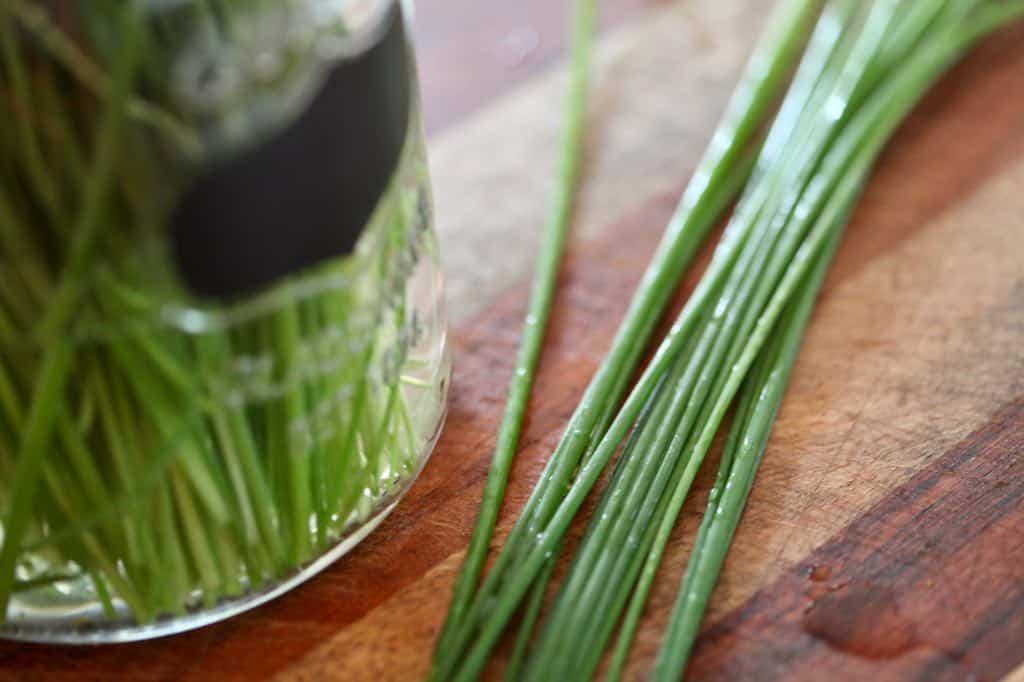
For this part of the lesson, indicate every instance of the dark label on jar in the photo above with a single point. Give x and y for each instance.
(305, 194)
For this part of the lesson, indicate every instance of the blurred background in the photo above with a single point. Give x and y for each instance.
(471, 50)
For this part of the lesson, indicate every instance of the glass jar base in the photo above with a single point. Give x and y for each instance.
(89, 626)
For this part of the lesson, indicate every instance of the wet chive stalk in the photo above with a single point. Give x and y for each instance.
(538, 310)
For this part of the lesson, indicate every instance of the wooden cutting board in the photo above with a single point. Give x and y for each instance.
(884, 538)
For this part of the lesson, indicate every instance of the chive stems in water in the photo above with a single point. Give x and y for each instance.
(160, 453)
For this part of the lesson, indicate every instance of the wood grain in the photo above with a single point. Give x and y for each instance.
(893, 478)
(926, 585)
(1016, 676)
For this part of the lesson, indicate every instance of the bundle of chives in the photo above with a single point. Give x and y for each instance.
(757, 404)
(718, 177)
(601, 574)
(759, 401)
(868, 133)
(867, 63)
(150, 462)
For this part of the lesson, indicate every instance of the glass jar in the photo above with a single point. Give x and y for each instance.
(222, 341)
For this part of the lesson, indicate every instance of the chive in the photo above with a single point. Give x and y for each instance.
(538, 312)
(23, 585)
(91, 76)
